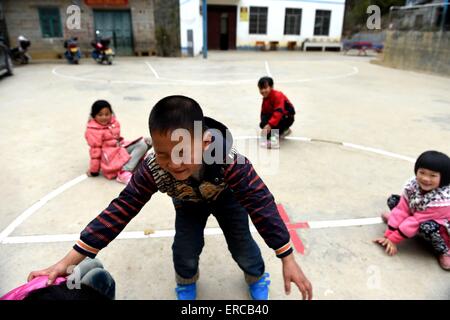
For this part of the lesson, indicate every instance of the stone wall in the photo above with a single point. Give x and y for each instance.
(167, 28)
(418, 50)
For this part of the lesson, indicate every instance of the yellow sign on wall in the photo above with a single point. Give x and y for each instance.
(243, 14)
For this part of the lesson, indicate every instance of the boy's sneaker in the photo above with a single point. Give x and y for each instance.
(260, 289)
(186, 291)
(124, 177)
(444, 261)
(285, 133)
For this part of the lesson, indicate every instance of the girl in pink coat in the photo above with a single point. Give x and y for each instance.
(109, 152)
(423, 208)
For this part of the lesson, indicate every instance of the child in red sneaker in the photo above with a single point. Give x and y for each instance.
(277, 114)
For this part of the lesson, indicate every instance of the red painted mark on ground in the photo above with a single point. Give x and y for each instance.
(298, 244)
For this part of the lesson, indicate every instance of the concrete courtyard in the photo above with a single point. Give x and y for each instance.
(385, 117)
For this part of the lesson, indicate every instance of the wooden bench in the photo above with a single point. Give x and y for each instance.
(261, 45)
(273, 45)
(292, 45)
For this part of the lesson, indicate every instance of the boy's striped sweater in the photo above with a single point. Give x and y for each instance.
(237, 174)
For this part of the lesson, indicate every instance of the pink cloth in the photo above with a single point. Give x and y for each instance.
(21, 292)
(107, 148)
(402, 221)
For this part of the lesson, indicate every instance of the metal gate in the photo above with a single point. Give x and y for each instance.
(116, 24)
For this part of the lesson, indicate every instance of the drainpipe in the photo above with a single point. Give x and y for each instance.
(205, 29)
(444, 14)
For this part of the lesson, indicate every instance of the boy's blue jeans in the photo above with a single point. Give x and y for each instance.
(233, 220)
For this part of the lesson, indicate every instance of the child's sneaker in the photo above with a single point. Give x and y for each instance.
(186, 291)
(260, 289)
(285, 133)
(444, 261)
(124, 177)
(274, 142)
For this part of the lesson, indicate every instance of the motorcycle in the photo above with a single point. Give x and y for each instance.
(73, 53)
(102, 52)
(19, 54)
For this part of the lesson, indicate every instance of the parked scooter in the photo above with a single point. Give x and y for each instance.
(19, 54)
(73, 53)
(102, 52)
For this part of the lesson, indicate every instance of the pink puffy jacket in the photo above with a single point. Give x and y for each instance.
(107, 151)
(22, 292)
(402, 224)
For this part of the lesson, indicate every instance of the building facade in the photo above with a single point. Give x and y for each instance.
(246, 24)
(134, 26)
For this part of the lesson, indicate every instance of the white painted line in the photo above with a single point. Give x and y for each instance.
(305, 139)
(31, 210)
(355, 71)
(153, 70)
(170, 81)
(344, 223)
(379, 151)
(170, 233)
(35, 207)
(267, 69)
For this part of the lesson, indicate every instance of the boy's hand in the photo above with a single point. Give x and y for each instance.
(391, 248)
(73, 258)
(293, 273)
(53, 272)
(265, 130)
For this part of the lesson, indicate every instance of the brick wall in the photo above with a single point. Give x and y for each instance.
(22, 17)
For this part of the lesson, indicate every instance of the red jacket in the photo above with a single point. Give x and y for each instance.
(276, 105)
(107, 151)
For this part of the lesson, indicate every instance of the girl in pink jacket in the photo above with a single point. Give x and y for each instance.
(109, 152)
(424, 208)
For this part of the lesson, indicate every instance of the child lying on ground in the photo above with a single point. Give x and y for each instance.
(88, 281)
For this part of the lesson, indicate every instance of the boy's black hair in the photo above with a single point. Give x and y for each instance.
(98, 106)
(264, 82)
(435, 161)
(61, 292)
(175, 112)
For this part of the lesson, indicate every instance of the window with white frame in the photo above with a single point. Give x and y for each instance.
(258, 20)
(293, 21)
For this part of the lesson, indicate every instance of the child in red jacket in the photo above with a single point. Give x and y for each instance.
(109, 152)
(424, 208)
(277, 114)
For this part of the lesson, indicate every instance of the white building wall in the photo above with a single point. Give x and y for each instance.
(191, 19)
(276, 16)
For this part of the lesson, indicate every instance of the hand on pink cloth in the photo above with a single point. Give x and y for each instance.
(21, 292)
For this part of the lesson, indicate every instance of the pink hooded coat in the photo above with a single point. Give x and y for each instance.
(22, 292)
(404, 223)
(107, 148)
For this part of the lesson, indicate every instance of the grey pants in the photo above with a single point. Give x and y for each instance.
(90, 272)
(137, 151)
